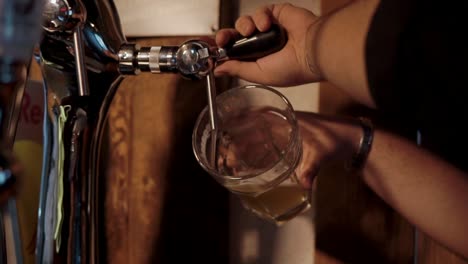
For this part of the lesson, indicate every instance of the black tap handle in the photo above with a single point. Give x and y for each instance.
(258, 45)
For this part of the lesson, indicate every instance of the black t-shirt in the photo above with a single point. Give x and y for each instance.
(417, 65)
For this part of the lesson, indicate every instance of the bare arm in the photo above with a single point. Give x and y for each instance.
(319, 48)
(428, 191)
(337, 44)
(431, 193)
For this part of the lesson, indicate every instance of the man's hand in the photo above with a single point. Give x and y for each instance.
(287, 67)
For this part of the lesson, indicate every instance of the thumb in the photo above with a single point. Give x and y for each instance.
(307, 173)
(309, 165)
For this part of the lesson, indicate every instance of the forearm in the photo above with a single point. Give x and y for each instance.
(336, 47)
(429, 192)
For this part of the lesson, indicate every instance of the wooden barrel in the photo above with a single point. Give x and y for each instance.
(160, 207)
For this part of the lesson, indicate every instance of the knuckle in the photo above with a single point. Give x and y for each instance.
(242, 21)
(245, 25)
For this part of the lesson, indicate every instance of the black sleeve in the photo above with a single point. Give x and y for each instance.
(414, 47)
(417, 67)
(387, 30)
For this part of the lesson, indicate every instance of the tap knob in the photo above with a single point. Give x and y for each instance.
(259, 45)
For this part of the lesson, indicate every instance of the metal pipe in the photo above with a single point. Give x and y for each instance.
(81, 75)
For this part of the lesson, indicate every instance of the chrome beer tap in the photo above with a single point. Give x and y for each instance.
(84, 57)
(194, 59)
(79, 47)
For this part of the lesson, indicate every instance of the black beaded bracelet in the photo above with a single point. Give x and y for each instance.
(365, 144)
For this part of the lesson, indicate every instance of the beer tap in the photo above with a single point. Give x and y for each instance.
(80, 43)
(84, 57)
(196, 59)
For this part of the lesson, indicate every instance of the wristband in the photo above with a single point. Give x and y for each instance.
(365, 144)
